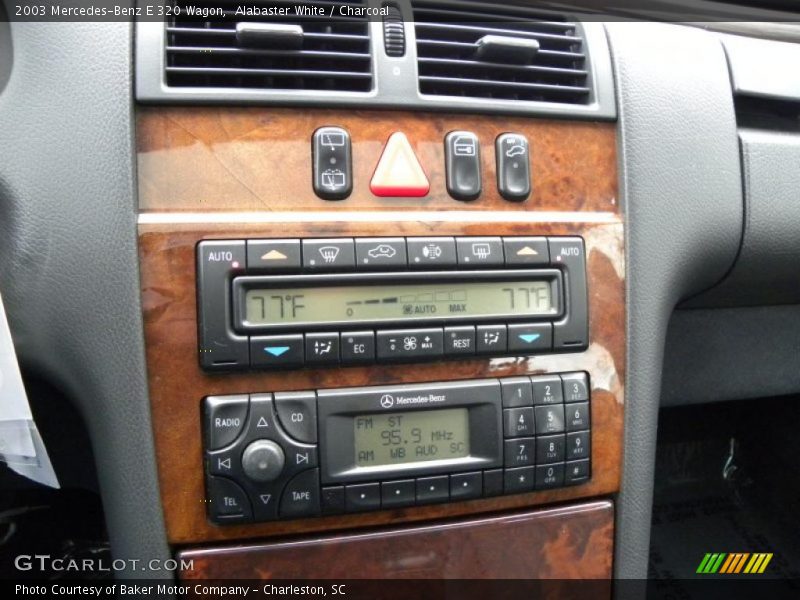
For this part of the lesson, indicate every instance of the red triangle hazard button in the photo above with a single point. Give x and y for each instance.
(398, 172)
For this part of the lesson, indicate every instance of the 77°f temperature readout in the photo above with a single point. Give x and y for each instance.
(398, 438)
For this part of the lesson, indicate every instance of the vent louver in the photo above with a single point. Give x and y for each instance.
(534, 56)
(204, 50)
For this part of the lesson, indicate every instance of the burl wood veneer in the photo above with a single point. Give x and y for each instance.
(263, 191)
(560, 543)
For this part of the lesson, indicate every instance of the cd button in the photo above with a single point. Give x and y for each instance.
(465, 486)
(357, 347)
(431, 253)
(297, 413)
(362, 496)
(277, 351)
(378, 253)
(409, 344)
(329, 255)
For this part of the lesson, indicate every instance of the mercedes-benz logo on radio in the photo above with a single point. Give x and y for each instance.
(387, 401)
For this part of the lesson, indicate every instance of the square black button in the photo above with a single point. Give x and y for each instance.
(275, 256)
(578, 416)
(549, 419)
(518, 422)
(465, 486)
(491, 339)
(530, 337)
(519, 452)
(579, 445)
(576, 387)
(277, 351)
(477, 252)
(516, 391)
(397, 493)
(459, 341)
(373, 254)
(431, 253)
(362, 496)
(549, 476)
(526, 251)
(357, 347)
(433, 489)
(493, 482)
(329, 255)
(549, 449)
(547, 389)
(322, 348)
(517, 481)
(333, 500)
(577, 471)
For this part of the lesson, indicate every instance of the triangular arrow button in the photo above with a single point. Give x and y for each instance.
(262, 422)
(398, 172)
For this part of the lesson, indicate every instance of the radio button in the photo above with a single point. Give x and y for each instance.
(395, 494)
(300, 497)
(459, 341)
(362, 496)
(322, 348)
(477, 252)
(577, 472)
(297, 413)
(404, 344)
(549, 419)
(578, 416)
(578, 445)
(549, 449)
(526, 251)
(518, 481)
(492, 339)
(329, 255)
(263, 461)
(275, 256)
(333, 500)
(519, 452)
(277, 351)
(431, 253)
(378, 253)
(225, 419)
(227, 502)
(530, 337)
(547, 389)
(516, 391)
(466, 486)
(576, 387)
(357, 347)
(518, 422)
(433, 489)
(549, 476)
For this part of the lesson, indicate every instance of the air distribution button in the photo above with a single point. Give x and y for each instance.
(263, 461)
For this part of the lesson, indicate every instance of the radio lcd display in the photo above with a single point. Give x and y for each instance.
(408, 437)
(398, 302)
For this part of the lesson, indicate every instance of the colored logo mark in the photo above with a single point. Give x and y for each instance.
(276, 350)
(734, 563)
(529, 338)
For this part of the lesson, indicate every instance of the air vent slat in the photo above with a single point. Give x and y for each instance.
(335, 53)
(449, 35)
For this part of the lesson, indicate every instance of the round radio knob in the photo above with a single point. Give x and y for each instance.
(263, 460)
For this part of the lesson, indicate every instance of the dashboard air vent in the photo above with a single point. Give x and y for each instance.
(288, 46)
(499, 52)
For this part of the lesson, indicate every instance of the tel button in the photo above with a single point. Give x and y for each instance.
(301, 495)
(227, 501)
(297, 413)
(225, 418)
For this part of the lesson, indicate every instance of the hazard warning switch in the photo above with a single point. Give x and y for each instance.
(398, 172)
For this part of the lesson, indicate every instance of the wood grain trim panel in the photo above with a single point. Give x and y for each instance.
(252, 159)
(561, 543)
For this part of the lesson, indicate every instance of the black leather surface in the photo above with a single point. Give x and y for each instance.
(68, 256)
(681, 190)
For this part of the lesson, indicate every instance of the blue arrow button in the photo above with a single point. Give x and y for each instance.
(529, 338)
(278, 350)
